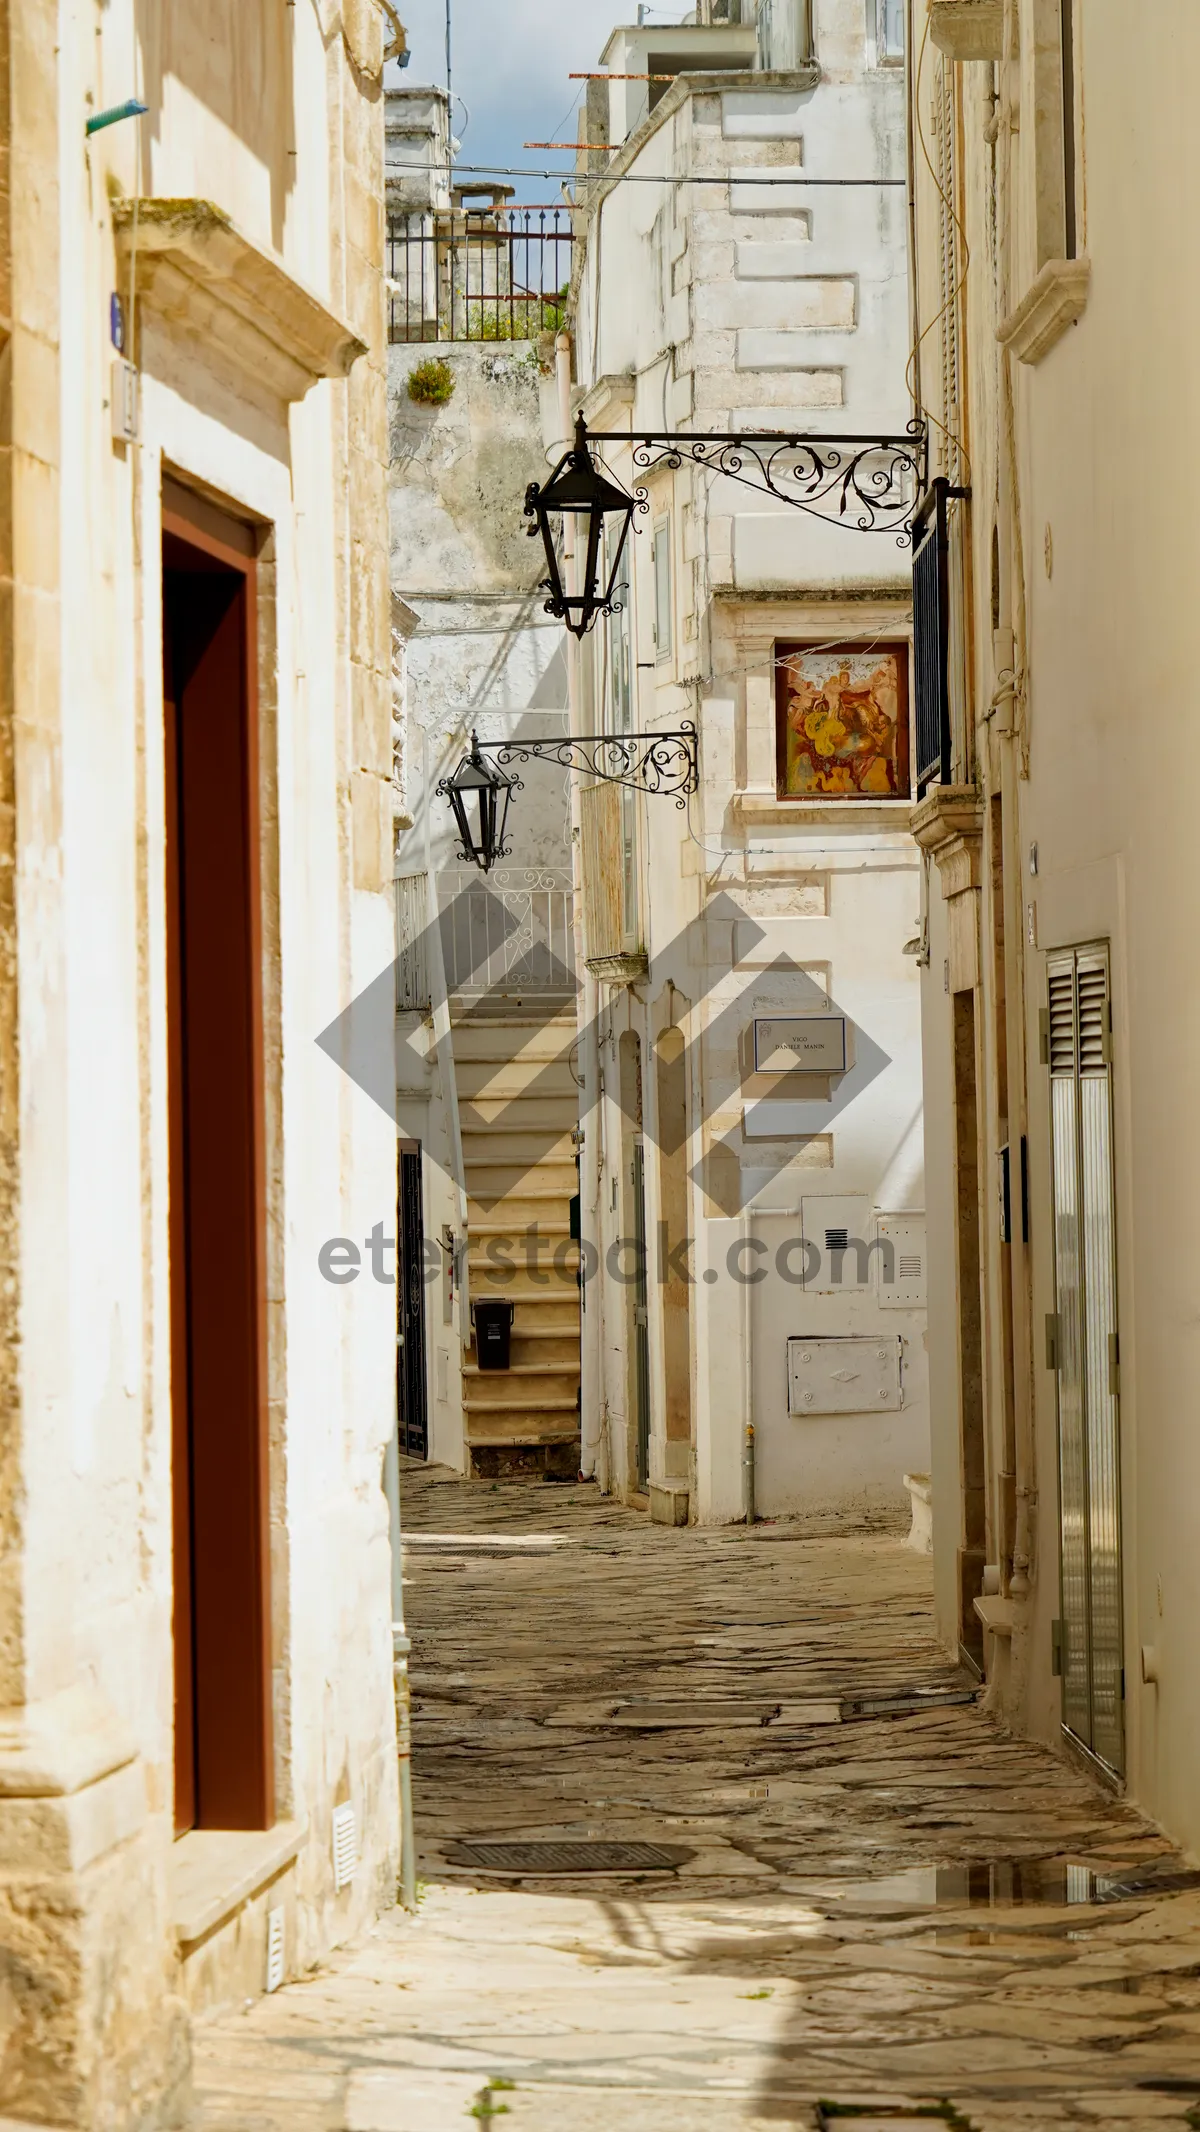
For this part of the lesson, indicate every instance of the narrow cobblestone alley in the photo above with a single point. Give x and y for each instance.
(861, 1906)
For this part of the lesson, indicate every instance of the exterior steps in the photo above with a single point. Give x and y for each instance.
(518, 1107)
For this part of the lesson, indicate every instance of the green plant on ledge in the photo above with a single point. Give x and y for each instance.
(431, 384)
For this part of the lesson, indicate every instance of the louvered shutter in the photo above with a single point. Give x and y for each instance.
(1084, 1335)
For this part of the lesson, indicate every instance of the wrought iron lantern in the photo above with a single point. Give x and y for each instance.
(480, 787)
(578, 487)
(654, 763)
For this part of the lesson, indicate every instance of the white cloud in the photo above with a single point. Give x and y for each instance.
(511, 62)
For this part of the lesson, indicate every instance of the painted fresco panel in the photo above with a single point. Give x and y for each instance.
(842, 721)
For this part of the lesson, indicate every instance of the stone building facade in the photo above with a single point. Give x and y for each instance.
(1054, 359)
(486, 963)
(197, 1750)
(726, 286)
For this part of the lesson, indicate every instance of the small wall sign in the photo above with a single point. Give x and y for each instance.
(800, 1043)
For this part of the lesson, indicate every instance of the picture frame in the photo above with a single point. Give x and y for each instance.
(842, 721)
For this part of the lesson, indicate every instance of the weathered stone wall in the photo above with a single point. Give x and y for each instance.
(760, 303)
(285, 136)
(485, 654)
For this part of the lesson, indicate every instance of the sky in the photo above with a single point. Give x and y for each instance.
(511, 60)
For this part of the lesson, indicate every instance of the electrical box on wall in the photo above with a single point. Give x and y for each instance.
(900, 1273)
(845, 1376)
(838, 1232)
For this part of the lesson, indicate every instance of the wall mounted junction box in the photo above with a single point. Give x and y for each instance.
(848, 1375)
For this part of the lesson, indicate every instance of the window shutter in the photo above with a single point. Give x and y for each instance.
(1062, 1020)
(662, 589)
(1093, 1017)
(601, 870)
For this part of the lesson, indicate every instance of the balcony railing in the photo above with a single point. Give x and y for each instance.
(513, 932)
(495, 274)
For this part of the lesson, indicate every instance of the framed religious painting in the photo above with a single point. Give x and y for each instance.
(841, 721)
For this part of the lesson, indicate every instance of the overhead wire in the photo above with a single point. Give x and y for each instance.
(634, 177)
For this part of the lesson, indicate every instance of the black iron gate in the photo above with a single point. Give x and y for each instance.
(411, 1399)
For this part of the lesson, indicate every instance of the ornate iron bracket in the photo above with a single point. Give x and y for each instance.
(869, 484)
(661, 763)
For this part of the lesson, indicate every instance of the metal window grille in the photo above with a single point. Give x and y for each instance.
(494, 274)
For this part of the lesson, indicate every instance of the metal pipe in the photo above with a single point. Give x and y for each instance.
(401, 1688)
(593, 1450)
(747, 1330)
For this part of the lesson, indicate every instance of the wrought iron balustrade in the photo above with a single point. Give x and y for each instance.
(494, 274)
(513, 931)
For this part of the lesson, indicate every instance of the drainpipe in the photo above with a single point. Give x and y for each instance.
(1012, 738)
(748, 1475)
(589, 1056)
(401, 1691)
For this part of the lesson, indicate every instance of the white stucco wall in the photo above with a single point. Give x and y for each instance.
(90, 1552)
(484, 657)
(762, 306)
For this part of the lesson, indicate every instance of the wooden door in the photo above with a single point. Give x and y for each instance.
(223, 1760)
(411, 1395)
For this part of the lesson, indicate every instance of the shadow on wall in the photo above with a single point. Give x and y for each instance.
(474, 456)
(237, 61)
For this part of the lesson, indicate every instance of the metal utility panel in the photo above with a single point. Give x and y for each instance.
(845, 1376)
(906, 1288)
(839, 1229)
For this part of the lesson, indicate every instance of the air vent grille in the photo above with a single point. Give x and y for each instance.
(837, 1239)
(1062, 1021)
(345, 1845)
(1093, 1020)
(910, 1268)
(274, 1949)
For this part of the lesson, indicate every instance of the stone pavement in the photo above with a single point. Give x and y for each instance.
(893, 1911)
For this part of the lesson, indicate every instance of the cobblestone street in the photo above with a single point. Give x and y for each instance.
(862, 1906)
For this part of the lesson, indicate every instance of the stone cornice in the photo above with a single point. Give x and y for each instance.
(1054, 301)
(405, 619)
(873, 813)
(676, 95)
(948, 824)
(968, 29)
(620, 969)
(56, 1747)
(195, 270)
(611, 396)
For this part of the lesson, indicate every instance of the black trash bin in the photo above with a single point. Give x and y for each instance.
(493, 1334)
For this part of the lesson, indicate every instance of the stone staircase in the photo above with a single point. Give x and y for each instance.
(518, 1106)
